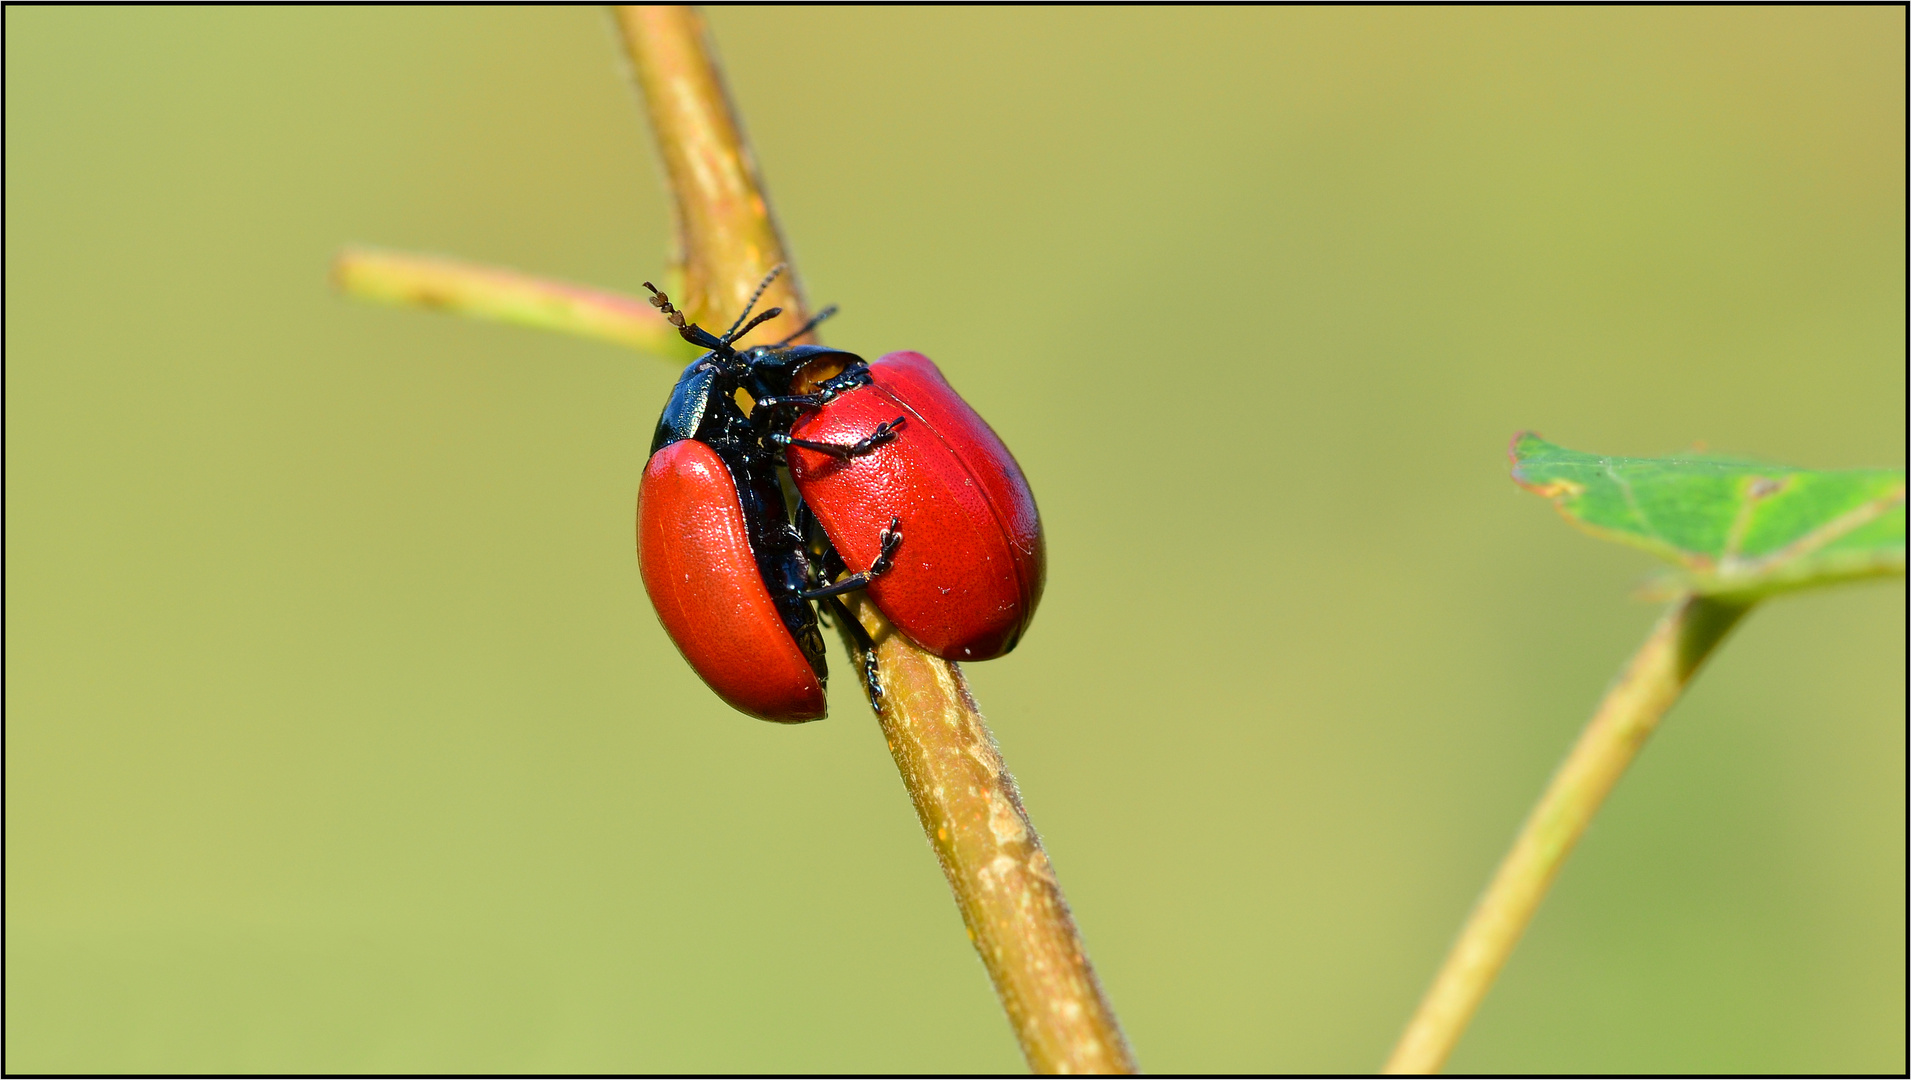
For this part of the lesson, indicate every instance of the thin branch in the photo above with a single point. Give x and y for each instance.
(964, 796)
(1003, 882)
(726, 236)
(1652, 681)
(490, 292)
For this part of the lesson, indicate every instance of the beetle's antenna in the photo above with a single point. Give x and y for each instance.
(691, 332)
(808, 326)
(732, 334)
(660, 300)
(737, 335)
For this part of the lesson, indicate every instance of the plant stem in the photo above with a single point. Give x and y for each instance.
(1685, 635)
(489, 292)
(964, 796)
(1003, 882)
(726, 236)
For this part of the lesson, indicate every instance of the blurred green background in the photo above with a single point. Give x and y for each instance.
(340, 735)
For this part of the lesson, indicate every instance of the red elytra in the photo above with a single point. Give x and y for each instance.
(709, 594)
(970, 569)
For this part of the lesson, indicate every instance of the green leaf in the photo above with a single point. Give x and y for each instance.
(1734, 527)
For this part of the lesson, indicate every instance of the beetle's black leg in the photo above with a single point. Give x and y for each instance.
(823, 560)
(801, 401)
(884, 432)
(891, 539)
(763, 410)
(886, 559)
(844, 381)
(847, 585)
(863, 647)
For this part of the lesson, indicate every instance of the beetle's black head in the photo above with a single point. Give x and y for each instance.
(768, 369)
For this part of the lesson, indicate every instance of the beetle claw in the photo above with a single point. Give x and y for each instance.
(891, 540)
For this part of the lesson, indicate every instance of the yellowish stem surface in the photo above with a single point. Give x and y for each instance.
(727, 238)
(490, 292)
(1688, 632)
(1002, 880)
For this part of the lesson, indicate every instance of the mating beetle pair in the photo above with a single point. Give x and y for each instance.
(902, 490)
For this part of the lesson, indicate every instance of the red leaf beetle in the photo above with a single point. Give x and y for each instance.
(969, 571)
(712, 592)
(899, 481)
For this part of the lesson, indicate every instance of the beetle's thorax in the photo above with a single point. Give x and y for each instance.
(813, 374)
